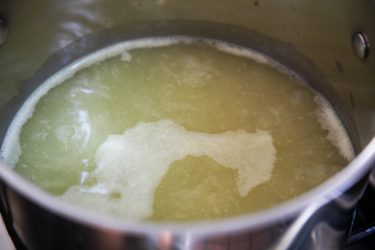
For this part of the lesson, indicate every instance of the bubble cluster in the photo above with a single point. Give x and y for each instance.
(132, 165)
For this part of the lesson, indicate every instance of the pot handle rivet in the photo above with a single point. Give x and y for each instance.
(361, 45)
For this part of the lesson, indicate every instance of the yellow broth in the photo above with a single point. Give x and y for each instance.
(217, 104)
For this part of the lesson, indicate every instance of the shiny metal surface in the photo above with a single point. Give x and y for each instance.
(5, 240)
(361, 45)
(312, 37)
(3, 30)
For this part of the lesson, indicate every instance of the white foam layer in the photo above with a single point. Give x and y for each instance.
(11, 150)
(133, 164)
(336, 132)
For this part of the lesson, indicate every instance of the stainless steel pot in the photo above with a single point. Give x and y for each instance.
(315, 38)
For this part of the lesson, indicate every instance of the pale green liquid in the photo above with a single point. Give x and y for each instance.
(201, 89)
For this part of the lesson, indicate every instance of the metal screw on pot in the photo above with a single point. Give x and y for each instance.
(361, 45)
(3, 30)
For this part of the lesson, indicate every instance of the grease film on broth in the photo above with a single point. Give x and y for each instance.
(176, 129)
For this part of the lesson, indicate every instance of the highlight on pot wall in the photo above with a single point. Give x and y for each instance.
(186, 125)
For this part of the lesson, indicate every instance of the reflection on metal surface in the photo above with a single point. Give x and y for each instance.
(3, 30)
(318, 227)
(293, 236)
(5, 241)
(372, 177)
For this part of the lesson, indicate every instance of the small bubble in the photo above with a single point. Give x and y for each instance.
(116, 195)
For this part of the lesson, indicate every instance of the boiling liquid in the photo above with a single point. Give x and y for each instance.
(187, 130)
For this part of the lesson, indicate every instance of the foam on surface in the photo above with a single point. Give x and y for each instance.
(11, 150)
(132, 165)
(336, 132)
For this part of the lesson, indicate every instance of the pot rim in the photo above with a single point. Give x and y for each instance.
(320, 195)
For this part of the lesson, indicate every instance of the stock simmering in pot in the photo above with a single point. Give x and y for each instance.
(176, 129)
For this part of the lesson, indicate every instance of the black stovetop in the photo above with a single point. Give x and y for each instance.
(362, 236)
